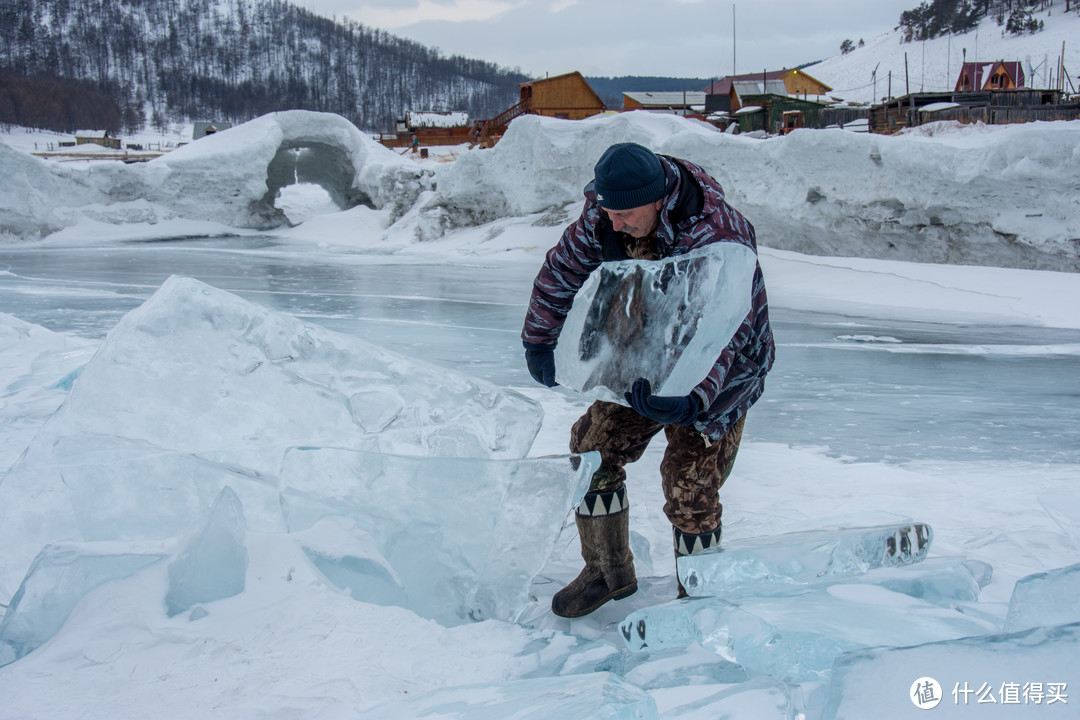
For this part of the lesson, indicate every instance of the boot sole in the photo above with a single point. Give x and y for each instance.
(619, 594)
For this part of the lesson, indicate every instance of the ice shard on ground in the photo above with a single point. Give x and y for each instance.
(666, 321)
(465, 536)
(1048, 598)
(803, 558)
(1029, 674)
(60, 576)
(796, 637)
(213, 564)
(349, 558)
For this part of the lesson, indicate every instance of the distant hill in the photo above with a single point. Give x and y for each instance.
(610, 89)
(174, 60)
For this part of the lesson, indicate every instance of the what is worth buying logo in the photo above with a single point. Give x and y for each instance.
(925, 693)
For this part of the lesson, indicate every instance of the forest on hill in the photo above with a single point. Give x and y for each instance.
(163, 61)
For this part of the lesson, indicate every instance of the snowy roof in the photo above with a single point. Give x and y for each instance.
(748, 109)
(432, 119)
(756, 87)
(666, 99)
(934, 107)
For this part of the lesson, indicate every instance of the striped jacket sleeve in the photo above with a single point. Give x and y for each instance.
(565, 269)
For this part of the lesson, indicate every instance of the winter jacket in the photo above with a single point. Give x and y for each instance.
(694, 214)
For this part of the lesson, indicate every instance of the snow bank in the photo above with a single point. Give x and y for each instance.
(29, 188)
(1003, 196)
(230, 178)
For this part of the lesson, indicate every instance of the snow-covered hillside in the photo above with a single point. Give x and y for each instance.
(888, 67)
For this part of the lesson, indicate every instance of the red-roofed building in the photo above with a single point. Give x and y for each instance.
(997, 75)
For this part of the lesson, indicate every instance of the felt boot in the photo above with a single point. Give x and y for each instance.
(603, 522)
(692, 544)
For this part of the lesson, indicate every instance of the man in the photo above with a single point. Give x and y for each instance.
(645, 206)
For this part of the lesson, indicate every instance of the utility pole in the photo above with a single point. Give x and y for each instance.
(733, 71)
(1061, 68)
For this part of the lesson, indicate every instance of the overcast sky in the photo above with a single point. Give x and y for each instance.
(610, 38)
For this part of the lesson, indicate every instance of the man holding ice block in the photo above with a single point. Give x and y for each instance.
(647, 207)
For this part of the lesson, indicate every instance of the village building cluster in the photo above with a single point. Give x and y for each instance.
(770, 102)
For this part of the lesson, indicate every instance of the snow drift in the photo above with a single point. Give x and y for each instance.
(230, 178)
(1004, 196)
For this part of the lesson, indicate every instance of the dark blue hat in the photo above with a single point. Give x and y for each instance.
(628, 176)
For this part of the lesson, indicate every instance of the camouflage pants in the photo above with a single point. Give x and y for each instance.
(691, 472)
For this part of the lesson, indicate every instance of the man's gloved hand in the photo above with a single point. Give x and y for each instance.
(541, 362)
(662, 409)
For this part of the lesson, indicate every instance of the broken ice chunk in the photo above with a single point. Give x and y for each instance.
(214, 563)
(803, 558)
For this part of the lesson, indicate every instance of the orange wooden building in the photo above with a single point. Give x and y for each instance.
(568, 96)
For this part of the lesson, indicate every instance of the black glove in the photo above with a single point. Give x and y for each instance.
(541, 362)
(662, 409)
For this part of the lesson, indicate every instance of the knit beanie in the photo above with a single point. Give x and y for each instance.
(628, 176)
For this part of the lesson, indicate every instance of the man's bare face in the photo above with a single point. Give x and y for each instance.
(637, 222)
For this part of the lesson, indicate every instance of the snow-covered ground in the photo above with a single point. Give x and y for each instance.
(295, 645)
(888, 67)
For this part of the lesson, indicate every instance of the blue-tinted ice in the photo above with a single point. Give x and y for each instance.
(463, 536)
(213, 564)
(803, 558)
(1048, 598)
(1029, 674)
(666, 321)
(797, 636)
(60, 576)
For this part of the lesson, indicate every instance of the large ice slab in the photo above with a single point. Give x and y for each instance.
(200, 370)
(1021, 675)
(213, 564)
(114, 489)
(197, 389)
(464, 536)
(796, 637)
(595, 696)
(1048, 598)
(666, 321)
(60, 576)
(803, 558)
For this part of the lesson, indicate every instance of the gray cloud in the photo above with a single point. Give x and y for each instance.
(639, 37)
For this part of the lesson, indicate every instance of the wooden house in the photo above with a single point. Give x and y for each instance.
(998, 75)
(568, 96)
(795, 83)
(775, 113)
(104, 141)
(997, 107)
(203, 128)
(677, 103)
(429, 128)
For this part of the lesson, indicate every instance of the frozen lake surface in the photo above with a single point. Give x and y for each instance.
(867, 389)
